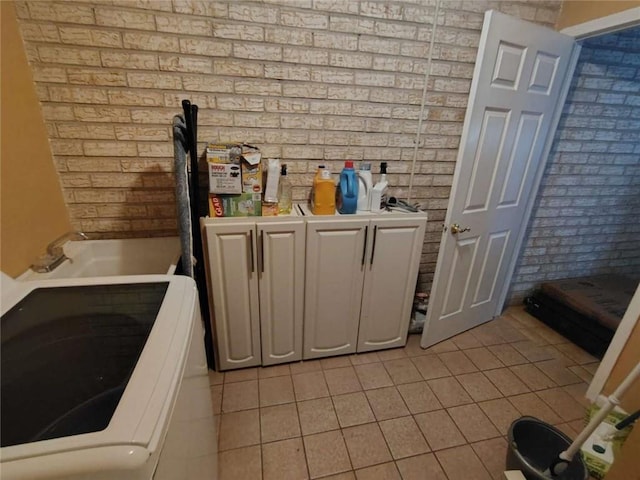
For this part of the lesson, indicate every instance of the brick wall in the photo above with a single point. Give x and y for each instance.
(310, 81)
(586, 216)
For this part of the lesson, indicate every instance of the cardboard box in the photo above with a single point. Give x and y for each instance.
(224, 168)
(234, 168)
(251, 169)
(242, 205)
(224, 178)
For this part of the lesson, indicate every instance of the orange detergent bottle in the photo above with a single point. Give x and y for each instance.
(324, 193)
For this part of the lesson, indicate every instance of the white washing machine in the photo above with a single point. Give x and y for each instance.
(105, 378)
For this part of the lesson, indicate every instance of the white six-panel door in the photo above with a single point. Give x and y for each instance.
(518, 89)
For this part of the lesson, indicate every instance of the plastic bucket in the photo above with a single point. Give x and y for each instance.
(533, 445)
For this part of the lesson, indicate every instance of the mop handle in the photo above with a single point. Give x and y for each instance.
(628, 421)
(612, 401)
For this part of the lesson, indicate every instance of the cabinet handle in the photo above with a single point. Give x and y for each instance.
(251, 250)
(373, 247)
(364, 246)
(261, 251)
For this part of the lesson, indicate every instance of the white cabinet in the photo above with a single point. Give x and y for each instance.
(335, 270)
(286, 288)
(389, 282)
(233, 289)
(281, 287)
(256, 279)
(360, 280)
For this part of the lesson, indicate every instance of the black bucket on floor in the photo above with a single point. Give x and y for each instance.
(533, 445)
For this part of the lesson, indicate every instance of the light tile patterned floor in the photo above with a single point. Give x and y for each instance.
(408, 413)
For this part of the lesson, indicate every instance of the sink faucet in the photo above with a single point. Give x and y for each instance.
(55, 248)
(55, 254)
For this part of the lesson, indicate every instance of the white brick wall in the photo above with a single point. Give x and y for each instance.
(585, 221)
(309, 80)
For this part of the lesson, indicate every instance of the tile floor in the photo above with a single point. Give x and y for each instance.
(408, 413)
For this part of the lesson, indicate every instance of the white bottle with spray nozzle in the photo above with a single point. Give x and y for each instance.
(284, 192)
(365, 184)
(379, 191)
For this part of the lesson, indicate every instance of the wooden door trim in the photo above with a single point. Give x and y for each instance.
(629, 320)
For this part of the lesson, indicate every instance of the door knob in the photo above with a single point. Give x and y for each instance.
(455, 228)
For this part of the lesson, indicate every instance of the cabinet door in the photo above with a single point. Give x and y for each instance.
(281, 260)
(393, 261)
(333, 285)
(234, 290)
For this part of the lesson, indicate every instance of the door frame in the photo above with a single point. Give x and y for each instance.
(603, 25)
(619, 341)
(593, 28)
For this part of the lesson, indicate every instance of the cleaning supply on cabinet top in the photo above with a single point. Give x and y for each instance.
(224, 168)
(365, 184)
(235, 180)
(379, 191)
(251, 168)
(241, 205)
(348, 194)
(323, 196)
(269, 209)
(273, 178)
(284, 192)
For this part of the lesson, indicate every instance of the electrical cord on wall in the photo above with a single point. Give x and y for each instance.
(424, 99)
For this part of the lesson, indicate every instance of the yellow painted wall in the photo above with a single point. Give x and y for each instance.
(626, 466)
(32, 209)
(575, 12)
(628, 358)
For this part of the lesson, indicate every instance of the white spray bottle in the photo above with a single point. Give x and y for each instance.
(379, 191)
(365, 185)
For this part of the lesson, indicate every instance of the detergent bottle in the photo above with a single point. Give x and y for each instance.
(365, 184)
(379, 191)
(348, 189)
(323, 193)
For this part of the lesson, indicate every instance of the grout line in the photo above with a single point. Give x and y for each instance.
(440, 464)
(260, 427)
(304, 449)
(340, 429)
(412, 416)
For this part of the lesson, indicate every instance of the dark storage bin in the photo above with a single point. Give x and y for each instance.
(534, 445)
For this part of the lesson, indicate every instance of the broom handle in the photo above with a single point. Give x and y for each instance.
(612, 401)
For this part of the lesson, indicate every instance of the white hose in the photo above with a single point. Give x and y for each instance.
(424, 99)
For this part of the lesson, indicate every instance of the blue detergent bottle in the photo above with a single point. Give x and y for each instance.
(348, 189)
